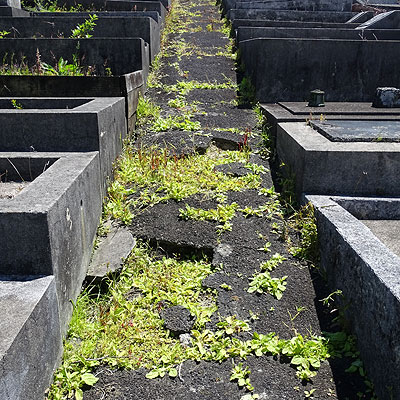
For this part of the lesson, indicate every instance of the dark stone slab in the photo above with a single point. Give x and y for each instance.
(301, 65)
(387, 97)
(110, 254)
(177, 142)
(178, 319)
(359, 131)
(235, 169)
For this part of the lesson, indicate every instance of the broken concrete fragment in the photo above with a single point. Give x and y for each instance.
(178, 319)
(386, 97)
(109, 256)
(235, 169)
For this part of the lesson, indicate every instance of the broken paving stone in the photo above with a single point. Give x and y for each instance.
(177, 142)
(178, 319)
(214, 281)
(111, 253)
(235, 169)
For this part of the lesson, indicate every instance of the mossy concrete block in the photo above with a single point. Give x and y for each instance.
(30, 338)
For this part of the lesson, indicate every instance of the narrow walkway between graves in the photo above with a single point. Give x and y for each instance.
(244, 318)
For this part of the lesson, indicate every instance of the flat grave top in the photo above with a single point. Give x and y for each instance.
(8, 190)
(358, 131)
(387, 231)
(338, 108)
(42, 103)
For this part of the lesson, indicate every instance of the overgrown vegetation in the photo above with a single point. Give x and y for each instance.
(122, 327)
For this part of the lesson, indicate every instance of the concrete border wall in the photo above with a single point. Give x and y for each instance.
(96, 125)
(324, 167)
(56, 218)
(347, 70)
(290, 15)
(362, 267)
(31, 344)
(265, 23)
(121, 55)
(111, 27)
(247, 33)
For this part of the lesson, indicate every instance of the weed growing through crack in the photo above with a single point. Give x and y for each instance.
(147, 176)
(85, 29)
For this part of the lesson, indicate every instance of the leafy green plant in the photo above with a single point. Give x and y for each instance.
(272, 263)
(263, 282)
(16, 105)
(85, 29)
(3, 34)
(222, 214)
(241, 375)
(231, 325)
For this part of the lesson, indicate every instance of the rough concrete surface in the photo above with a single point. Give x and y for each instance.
(30, 338)
(366, 271)
(321, 166)
(56, 218)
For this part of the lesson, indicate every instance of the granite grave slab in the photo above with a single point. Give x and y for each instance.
(359, 131)
(301, 112)
(322, 166)
(360, 257)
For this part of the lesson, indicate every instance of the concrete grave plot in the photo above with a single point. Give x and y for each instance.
(276, 113)
(12, 8)
(290, 15)
(347, 70)
(388, 20)
(360, 256)
(129, 5)
(99, 4)
(341, 157)
(290, 24)
(48, 228)
(246, 33)
(129, 69)
(85, 14)
(65, 125)
(321, 5)
(30, 338)
(57, 27)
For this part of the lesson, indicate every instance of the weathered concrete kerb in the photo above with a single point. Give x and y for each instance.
(65, 125)
(47, 226)
(366, 271)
